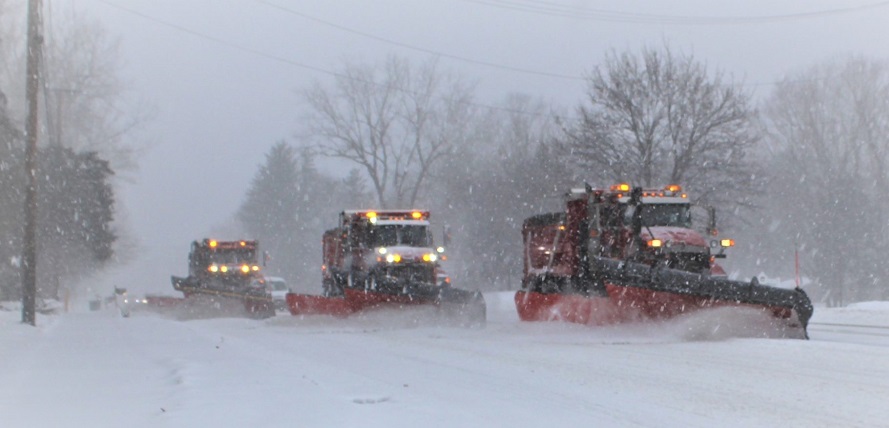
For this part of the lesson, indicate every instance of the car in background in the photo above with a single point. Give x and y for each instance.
(278, 288)
(442, 279)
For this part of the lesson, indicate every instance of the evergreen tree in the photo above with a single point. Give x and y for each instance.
(11, 205)
(270, 208)
(289, 206)
(354, 191)
(75, 212)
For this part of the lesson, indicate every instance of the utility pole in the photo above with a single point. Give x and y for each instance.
(29, 250)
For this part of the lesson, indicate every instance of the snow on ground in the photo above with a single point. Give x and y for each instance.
(398, 370)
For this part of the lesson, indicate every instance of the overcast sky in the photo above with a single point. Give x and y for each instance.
(225, 75)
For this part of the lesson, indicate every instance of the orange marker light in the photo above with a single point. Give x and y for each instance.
(622, 187)
(674, 188)
(417, 215)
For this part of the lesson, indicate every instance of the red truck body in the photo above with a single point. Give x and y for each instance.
(623, 254)
(383, 258)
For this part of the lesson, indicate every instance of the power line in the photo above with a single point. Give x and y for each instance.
(334, 73)
(416, 48)
(289, 61)
(330, 72)
(559, 10)
(218, 40)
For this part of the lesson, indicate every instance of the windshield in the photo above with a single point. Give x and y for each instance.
(674, 215)
(278, 285)
(232, 257)
(398, 234)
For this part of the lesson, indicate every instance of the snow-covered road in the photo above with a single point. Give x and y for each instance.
(389, 370)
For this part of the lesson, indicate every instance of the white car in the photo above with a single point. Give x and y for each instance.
(278, 287)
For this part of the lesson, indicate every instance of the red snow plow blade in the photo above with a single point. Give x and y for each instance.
(308, 304)
(229, 300)
(352, 301)
(624, 304)
(574, 308)
(634, 292)
(466, 307)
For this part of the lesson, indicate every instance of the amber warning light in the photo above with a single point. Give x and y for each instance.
(622, 187)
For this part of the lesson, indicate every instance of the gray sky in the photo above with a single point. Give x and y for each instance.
(224, 75)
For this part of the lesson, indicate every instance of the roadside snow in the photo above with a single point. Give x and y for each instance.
(398, 370)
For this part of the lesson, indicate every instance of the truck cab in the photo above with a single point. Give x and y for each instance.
(650, 226)
(383, 250)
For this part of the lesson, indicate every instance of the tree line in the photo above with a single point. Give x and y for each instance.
(83, 148)
(800, 171)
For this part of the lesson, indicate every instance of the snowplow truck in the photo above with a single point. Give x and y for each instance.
(225, 275)
(624, 254)
(385, 258)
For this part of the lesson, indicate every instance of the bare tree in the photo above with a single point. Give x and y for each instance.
(829, 128)
(395, 121)
(660, 118)
(84, 102)
(12, 64)
(86, 106)
(488, 189)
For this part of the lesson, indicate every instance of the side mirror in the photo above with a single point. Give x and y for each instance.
(711, 221)
(446, 236)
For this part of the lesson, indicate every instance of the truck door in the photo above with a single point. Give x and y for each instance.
(594, 238)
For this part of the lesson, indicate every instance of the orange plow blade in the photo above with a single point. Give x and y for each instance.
(309, 304)
(578, 309)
